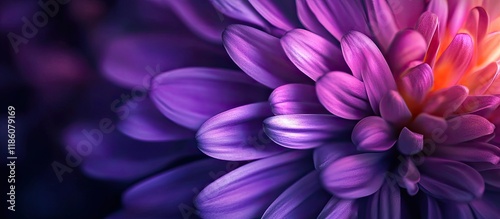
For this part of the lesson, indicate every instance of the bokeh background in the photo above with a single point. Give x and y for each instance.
(55, 80)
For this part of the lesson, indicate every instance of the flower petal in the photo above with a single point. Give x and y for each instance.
(343, 95)
(373, 134)
(445, 102)
(487, 206)
(428, 25)
(407, 47)
(368, 64)
(312, 54)
(333, 14)
(409, 176)
(479, 105)
(406, 12)
(385, 203)
(409, 142)
(330, 152)
(440, 8)
(393, 109)
(338, 208)
(469, 152)
(489, 49)
(260, 55)
(309, 20)
(456, 59)
(430, 208)
(279, 13)
(192, 95)
(430, 126)
(483, 81)
(237, 134)
(466, 128)
(145, 123)
(296, 99)
(355, 176)
(450, 180)
(417, 82)
(304, 131)
(247, 191)
(148, 197)
(306, 198)
(240, 10)
(382, 22)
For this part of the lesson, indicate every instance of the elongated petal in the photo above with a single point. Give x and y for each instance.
(430, 126)
(343, 95)
(446, 101)
(296, 99)
(410, 142)
(338, 208)
(355, 176)
(247, 191)
(332, 14)
(407, 47)
(190, 96)
(240, 10)
(456, 210)
(330, 152)
(385, 203)
(373, 134)
(279, 13)
(456, 59)
(409, 176)
(467, 127)
(483, 81)
(394, 109)
(382, 22)
(306, 198)
(304, 131)
(450, 180)
(260, 55)
(237, 134)
(144, 122)
(470, 152)
(309, 20)
(479, 105)
(181, 184)
(487, 206)
(417, 82)
(489, 49)
(368, 64)
(440, 8)
(428, 25)
(406, 12)
(430, 208)
(312, 54)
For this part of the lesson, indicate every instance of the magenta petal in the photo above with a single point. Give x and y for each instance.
(417, 82)
(343, 95)
(190, 96)
(394, 109)
(440, 8)
(247, 191)
(332, 151)
(355, 176)
(144, 122)
(304, 131)
(382, 22)
(296, 99)
(306, 198)
(469, 152)
(148, 196)
(409, 176)
(430, 126)
(338, 208)
(260, 55)
(237, 134)
(407, 47)
(456, 59)
(427, 25)
(466, 128)
(407, 12)
(312, 54)
(479, 105)
(368, 64)
(240, 10)
(385, 203)
(309, 20)
(410, 142)
(450, 180)
(373, 134)
(281, 14)
(333, 14)
(445, 102)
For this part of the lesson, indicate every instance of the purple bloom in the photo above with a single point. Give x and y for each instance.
(344, 108)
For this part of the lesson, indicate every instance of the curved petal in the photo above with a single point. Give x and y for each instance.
(409, 176)
(440, 8)
(394, 109)
(330, 152)
(409, 142)
(192, 95)
(428, 25)
(407, 47)
(456, 210)
(479, 105)
(430, 126)
(450, 180)
(296, 99)
(261, 56)
(417, 82)
(237, 134)
(312, 54)
(487, 206)
(304, 131)
(309, 20)
(333, 14)
(279, 13)
(447, 101)
(240, 10)
(382, 22)
(373, 134)
(343, 95)
(385, 203)
(355, 176)
(470, 152)
(456, 59)
(145, 123)
(339, 209)
(466, 128)
(306, 198)
(406, 12)
(247, 191)
(368, 64)
(430, 208)
(487, 77)
(165, 194)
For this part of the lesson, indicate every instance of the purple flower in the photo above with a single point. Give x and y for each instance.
(342, 109)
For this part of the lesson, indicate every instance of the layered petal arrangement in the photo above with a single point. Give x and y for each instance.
(336, 109)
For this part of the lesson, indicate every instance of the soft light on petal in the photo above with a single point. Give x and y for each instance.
(295, 99)
(373, 134)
